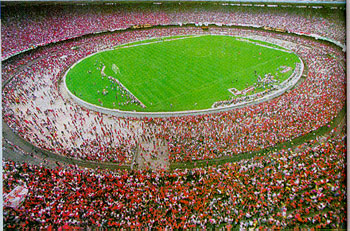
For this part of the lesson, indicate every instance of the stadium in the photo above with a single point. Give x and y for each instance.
(173, 115)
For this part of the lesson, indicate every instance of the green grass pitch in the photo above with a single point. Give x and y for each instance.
(176, 74)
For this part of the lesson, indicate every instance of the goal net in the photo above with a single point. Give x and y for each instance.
(115, 69)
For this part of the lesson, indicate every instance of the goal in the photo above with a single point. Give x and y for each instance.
(115, 69)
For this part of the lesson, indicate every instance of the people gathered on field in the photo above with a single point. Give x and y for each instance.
(283, 189)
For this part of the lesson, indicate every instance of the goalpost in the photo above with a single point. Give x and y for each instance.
(115, 69)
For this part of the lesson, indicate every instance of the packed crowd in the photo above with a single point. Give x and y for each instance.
(303, 187)
(283, 189)
(27, 27)
(34, 106)
(24, 27)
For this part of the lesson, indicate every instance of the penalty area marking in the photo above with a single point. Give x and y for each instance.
(116, 70)
(142, 105)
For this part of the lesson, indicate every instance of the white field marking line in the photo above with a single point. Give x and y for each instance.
(263, 45)
(236, 92)
(103, 74)
(177, 113)
(233, 89)
(192, 36)
(295, 73)
(166, 40)
(204, 86)
(142, 104)
(103, 71)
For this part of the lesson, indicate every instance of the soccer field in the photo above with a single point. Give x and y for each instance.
(177, 73)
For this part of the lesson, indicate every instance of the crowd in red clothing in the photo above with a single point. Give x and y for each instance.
(311, 105)
(282, 189)
(34, 105)
(25, 27)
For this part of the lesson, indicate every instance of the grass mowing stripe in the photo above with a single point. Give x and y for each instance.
(180, 72)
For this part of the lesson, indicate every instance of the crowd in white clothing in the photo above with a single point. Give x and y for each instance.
(302, 187)
(34, 106)
(25, 27)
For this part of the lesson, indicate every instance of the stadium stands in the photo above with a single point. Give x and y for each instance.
(23, 28)
(280, 190)
(189, 138)
(303, 186)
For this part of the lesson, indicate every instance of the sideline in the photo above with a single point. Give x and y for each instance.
(162, 39)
